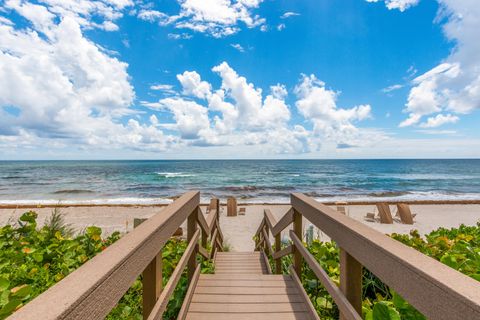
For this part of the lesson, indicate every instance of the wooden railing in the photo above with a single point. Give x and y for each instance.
(94, 289)
(434, 289)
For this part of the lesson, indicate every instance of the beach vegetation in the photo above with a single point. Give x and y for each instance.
(34, 258)
(458, 248)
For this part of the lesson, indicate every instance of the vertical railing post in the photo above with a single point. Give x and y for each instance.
(152, 284)
(278, 247)
(217, 205)
(151, 280)
(191, 228)
(265, 243)
(204, 234)
(297, 229)
(351, 280)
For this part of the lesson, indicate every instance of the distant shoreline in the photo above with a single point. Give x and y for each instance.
(330, 203)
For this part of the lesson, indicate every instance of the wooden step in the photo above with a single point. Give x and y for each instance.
(242, 289)
(239, 263)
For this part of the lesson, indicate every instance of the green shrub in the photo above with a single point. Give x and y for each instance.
(32, 259)
(458, 248)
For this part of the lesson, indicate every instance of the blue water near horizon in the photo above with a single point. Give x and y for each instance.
(152, 181)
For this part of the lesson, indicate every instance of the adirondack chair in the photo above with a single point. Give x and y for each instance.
(384, 214)
(404, 213)
(341, 207)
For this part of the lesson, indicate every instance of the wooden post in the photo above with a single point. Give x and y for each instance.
(265, 243)
(191, 228)
(351, 280)
(214, 204)
(204, 234)
(152, 284)
(278, 247)
(231, 207)
(297, 256)
(151, 279)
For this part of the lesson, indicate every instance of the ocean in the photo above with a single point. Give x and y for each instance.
(145, 182)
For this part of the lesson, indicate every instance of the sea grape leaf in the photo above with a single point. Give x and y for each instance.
(10, 307)
(382, 311)
(94, 232)
(449, 260)
(21, 291)
(29, 216)
(4, 283)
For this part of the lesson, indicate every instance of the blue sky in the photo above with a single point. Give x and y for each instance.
(107, 79)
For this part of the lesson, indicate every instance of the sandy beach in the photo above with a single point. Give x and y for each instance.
(239, 230)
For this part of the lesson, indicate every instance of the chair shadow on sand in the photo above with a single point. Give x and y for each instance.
(403, 214)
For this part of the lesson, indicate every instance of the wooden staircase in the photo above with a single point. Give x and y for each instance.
(242, 288)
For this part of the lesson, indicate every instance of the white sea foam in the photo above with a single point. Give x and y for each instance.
(413, 196)
(431, 176)
(106, 201)
(175, 174)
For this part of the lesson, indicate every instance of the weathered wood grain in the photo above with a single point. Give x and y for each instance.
(434, 289)
(94, 289)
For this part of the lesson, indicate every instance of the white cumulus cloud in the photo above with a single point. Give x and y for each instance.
(193, 85)
(401, 5)
(60, 89)
(454, 84)
(319, 105)
(217, 18)
(439, 120)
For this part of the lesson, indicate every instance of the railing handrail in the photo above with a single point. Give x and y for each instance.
(91, 291)
(436, 290)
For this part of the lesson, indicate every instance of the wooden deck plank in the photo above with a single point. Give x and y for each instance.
(256, 268)
(233, 263)
(242, 289)
(244, 283)
(248, 307)
(243, 254)
(242, 298)
(249, 316)
(246, 290)
(251, 277)
(237, 260)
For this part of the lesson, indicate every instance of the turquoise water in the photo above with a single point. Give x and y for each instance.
(252, 180)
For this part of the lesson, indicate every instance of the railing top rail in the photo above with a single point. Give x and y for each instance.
(93, 290)
(436, 290)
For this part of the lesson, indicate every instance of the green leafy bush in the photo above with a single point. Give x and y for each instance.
(33, 259)
(458, 248)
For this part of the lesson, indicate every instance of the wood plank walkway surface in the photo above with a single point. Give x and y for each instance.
(241, 288)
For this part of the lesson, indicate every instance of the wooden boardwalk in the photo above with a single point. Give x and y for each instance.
(241, 288)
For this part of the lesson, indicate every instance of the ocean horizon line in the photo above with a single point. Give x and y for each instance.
(237, 159)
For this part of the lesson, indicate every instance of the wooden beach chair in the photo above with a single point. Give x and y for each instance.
(404, 213)
(241, 211)
(370, 217)
(341, 207)
(384, 214)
